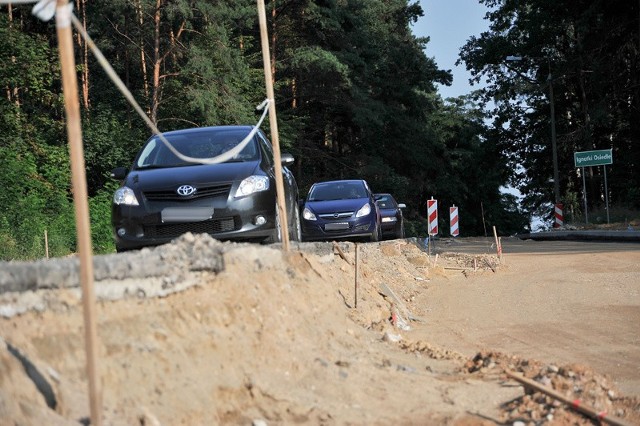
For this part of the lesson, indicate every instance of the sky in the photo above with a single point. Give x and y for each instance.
(449, 24)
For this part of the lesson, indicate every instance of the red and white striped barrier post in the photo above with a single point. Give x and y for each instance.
(453, 221)
(432, 215)
(558, 215)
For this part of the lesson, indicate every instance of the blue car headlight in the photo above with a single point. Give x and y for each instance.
(125, 196)
(364, 210)
(252, 184)
(308, 214)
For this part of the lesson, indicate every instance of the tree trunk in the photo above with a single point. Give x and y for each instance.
(274, 38)
(143, 61)
(157, 60)
(84, 48)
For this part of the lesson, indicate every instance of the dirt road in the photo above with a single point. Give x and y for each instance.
(289, 338)
(572, 302)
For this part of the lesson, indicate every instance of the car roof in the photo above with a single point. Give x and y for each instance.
(340, 181)
(214, 129)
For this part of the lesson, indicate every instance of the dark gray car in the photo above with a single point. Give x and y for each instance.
(164, 196)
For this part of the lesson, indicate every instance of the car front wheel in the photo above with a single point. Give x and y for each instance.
(375, 235)
(276, 234)
(295, 230)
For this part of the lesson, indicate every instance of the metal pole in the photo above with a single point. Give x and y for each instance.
(584, 191)
(606, 192)
(273, 124)
(80, 197)
(554, 147)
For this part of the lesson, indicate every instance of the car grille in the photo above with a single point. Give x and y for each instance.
(213, 226)
(336, 215)
(202, 192)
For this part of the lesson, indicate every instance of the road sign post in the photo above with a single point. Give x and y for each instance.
(594, 158)
(432, 214)
(454, 230)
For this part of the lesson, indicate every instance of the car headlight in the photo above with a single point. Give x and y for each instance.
(126, 196)
(364, 210)
(252, 184)
(308, 214)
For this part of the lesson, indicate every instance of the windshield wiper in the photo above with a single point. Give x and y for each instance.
(165, 166)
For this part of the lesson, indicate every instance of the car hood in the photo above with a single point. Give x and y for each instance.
(331, 206)
(202, 173)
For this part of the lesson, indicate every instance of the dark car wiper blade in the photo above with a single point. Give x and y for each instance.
(166, 166)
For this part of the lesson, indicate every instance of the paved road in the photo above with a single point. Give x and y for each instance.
(516, 245)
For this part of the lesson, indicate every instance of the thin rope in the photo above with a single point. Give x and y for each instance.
(18, 1)
(127, 94)
(44, 9)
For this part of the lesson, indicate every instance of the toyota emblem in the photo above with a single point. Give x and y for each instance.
(186, 190)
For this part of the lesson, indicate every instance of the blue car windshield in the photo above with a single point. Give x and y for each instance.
(205, 144)
(337, 191)
(386, 202)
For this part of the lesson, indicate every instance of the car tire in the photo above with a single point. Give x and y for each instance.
(375, 236)
(276, 234)
(400, 232)
(295, 230)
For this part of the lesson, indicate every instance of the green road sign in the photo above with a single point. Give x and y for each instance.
(593, 158)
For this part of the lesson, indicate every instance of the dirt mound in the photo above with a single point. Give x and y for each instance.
(278, 338)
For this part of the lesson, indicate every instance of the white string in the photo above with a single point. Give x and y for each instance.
(45, 10)
(123, 89)
(22, 1)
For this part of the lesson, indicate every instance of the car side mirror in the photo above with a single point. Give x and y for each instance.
(402, 206)
(119, 173)
(286, 159)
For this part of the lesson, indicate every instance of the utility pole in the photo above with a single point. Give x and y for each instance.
(554, 146)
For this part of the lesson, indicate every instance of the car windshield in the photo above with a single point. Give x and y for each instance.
(337, 191)
(386, 202)
(205, 144)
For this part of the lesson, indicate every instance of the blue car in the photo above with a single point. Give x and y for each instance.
(391, 213)
(340, 209)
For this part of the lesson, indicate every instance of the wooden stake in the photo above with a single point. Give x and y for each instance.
(355, 293)
(46, 244)
(80, 197)
(341, 253)
(273, 124)
(498, 245)
(574, 404)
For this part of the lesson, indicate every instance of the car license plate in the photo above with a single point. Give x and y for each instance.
(186, 214)
(336, 226)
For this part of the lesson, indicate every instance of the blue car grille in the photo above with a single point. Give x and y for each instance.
(201, 192)
(336, 215)
(213, 226)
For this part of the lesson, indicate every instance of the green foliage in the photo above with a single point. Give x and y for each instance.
(355, 94)
(583, 59)
(100, 213)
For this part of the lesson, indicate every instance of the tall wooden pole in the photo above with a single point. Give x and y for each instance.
(273, 124)
(79, 185)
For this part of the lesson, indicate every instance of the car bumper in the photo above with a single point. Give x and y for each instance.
(236, 219)
(389, 226)
(352, 228)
